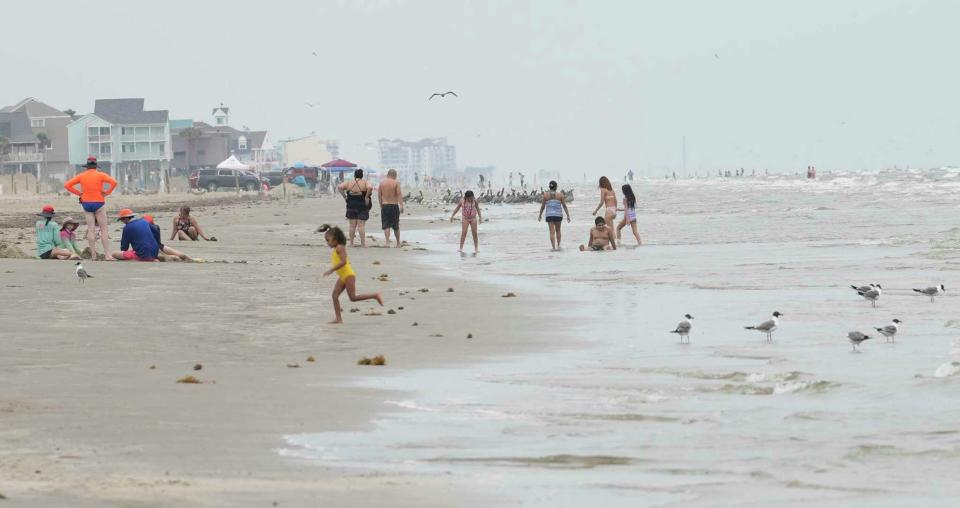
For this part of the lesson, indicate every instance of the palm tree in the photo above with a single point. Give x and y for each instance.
(192, 135)
(72, 113)
(4, 144)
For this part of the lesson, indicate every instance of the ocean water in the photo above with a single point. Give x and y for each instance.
(627, 416)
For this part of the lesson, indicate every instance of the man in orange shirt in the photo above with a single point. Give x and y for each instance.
(92, 198)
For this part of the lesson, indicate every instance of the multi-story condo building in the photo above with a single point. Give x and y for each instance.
(131, 143)
(429, 156)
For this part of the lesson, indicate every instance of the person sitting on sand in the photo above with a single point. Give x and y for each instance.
(470, 217)
(169, 252)
(186, 227)
(136, 234)
(68, 236)
(346, 277)
(48, 237)
(601, 237)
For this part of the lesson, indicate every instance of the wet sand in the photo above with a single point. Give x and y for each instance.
(91, 413)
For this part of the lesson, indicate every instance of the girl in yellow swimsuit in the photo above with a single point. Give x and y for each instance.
(346, 277)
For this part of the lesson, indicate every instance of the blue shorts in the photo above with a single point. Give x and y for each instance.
(92, 207)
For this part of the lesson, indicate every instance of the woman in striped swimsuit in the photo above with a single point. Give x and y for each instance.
(555, 205)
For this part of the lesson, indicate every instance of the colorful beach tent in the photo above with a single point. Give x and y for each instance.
(339, 166)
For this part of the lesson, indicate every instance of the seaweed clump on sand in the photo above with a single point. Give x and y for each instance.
(190, 380)
(509, 295)
(376, 360)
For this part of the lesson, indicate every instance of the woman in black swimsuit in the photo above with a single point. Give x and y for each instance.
(357, 193)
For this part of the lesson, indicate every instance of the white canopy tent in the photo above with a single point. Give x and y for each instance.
(233, 163)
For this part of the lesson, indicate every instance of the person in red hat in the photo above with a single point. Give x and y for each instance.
(49, 245)
(169, 252)
(136, 241)
(92, 198)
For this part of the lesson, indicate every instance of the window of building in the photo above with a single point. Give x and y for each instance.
(126, 131)
(49, 144)
(156, 132)
(38, 123)
(161, 148)
(128, 148)
(141, 132)
(92, 131)
(221, 120)
(105, 148)
(242, 142)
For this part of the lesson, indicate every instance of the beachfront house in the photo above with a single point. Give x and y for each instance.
(131, 143)
(49, 127)
(19, 147)
(200, 144)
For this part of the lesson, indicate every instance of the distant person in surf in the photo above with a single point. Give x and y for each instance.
(470, 217)
(608, 201)
(601, 237)
(629, 213)
(555, 205)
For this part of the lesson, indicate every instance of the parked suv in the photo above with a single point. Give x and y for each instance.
(213, 179)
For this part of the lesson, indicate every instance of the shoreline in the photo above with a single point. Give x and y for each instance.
(151, 438)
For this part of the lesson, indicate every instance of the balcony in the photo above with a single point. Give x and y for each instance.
(22, 157)
(106, 138)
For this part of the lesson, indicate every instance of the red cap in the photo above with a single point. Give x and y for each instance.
(148, 218)
(47, 209)
(91, 159)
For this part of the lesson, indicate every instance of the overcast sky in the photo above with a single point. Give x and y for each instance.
(591, 86)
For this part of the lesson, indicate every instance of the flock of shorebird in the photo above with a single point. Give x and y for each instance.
(870, 292)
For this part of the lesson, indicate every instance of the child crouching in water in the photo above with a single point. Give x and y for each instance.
(347, 278)
(470, 217)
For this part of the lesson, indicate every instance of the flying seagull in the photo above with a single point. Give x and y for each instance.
(444, 94)
(315, 53)
(683, 328)
(856, 338)
(873, 294)
(932, 291)
(767, 327)
(82, 274)
(890, 331)
(311, 104)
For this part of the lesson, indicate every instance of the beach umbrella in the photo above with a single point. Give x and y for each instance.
(233, 163)
(339, 166)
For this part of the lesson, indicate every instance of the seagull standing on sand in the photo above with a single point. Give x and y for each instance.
(767, 327)
(683, 328)
(873, 294)
(442, 95)
(82, 274)
(856, 338)
(932, 291)
(890, 331)
(863, 289)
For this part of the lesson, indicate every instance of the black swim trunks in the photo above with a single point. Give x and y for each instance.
(554, 219)
(390, 217)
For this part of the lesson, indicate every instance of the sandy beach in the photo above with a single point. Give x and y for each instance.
(91, 412)
(573, 393)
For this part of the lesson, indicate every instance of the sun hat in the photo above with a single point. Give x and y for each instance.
(91, 162)
(47, 211)
(126, 212)
(148, 218)
(67, 221)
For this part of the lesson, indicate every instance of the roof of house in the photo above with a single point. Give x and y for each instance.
(256, 138)
(34, 108)
(127, 111)
(16, 127)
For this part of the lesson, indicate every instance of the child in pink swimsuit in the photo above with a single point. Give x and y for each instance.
(470, 218)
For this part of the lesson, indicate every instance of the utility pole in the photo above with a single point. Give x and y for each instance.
(684, 154)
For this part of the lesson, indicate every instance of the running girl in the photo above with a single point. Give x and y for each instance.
(608, 201)
(555, 205)
(629, 213)
(471, 216)
(347, 278)
(92, 198)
